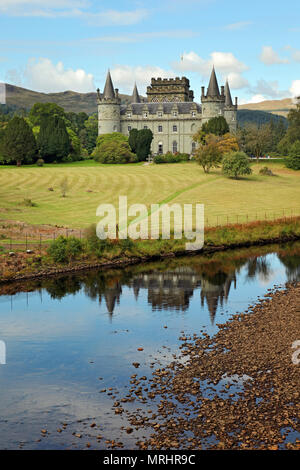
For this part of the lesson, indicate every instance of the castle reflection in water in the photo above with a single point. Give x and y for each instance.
(171, 285)
(172, 290)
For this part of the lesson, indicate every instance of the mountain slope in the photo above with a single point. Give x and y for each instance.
(280, 107)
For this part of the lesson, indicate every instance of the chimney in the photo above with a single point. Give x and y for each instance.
(202, 91)
(222, 90)
(236, 101)
(117, 92)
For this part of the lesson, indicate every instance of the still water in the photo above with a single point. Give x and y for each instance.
(68, 338)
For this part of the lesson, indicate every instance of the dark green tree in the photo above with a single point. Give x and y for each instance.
(132, 140)
(217, 125)
(18, 144)
(88, 135)
(143, 144)
(293, 131)
(53, 139)
(43, 110)
(293, 159)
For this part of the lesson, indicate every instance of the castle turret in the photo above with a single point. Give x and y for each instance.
(230, 110)
(135, 95)
(109, 105)
(213, 102)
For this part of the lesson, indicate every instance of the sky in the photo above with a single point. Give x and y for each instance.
(59, 45)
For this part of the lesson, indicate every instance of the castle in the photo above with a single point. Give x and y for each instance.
(170, 111)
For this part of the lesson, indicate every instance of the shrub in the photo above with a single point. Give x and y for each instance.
(28, 202)
(266, 171)
(65, 249)
(114, 152)
(236, 164)
(40, 162)
(170, 157)
(93, 244)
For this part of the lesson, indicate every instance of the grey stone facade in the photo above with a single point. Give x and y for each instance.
(171, 114)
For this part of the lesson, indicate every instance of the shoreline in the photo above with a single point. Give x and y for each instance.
(249, 367)
(134, 260)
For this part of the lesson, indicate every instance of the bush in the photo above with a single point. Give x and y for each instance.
(65, 249)
(93, 244)
(40, 162)
(236, 164)
(170, 157)
(114, 152)
(266, 171)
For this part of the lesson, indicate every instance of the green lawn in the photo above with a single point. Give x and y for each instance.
(240, 200)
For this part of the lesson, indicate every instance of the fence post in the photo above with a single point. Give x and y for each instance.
(40, 243)
(26, 241)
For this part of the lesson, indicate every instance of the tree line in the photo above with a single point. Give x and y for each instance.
(46, 134)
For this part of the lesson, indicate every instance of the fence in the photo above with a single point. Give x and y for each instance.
(39, 240)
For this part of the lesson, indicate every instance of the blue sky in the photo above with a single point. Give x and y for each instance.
(56, 45)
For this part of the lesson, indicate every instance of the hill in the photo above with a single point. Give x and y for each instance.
(258, 117)
(69, 100)
(17, 97)
(280, 107)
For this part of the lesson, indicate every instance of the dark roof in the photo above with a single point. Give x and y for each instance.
(108, 92)
(135, 95)
(228, 100)
(153, 108)
(213, 87)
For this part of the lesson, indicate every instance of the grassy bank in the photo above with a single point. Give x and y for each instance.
(67, 254)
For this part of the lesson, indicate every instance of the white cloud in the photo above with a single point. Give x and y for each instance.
(124, 76)
(225, 63)
(269, 89)
(71, 8)
(295, 88)
(237, 81)
(43, 75)
(237, 26)
(270, 57)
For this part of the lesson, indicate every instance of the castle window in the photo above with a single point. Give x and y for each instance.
(233, 119)
(145, 127)
(174, 128)
(129, 115)
(175, 113)
(193, 113)
(193, 147)
(160, 148)
(145, 115)
(129, 128)
(160, 128)
(174, 146)
(220, 112)
(159, 114)
(115, 128)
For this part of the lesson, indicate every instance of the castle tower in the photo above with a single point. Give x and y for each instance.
(230, 110)
(213, 102)
(135, 95)
(109, 105)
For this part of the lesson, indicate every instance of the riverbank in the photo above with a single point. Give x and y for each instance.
(236, 390)
(120, 253)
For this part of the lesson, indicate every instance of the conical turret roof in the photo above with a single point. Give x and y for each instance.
(213, 87)
(109, 92)
(228, 99)
(135, 95)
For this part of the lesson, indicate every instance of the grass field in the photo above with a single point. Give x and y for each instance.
(90, 184)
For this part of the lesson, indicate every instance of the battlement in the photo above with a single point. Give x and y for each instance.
(170, 81)
(169, 90)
